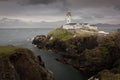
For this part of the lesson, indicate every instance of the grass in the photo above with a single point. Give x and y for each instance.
(107, 75)
(61, 34)
(7, 50)
(64, 34)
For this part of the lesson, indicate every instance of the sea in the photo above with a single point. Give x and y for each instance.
(23, 37)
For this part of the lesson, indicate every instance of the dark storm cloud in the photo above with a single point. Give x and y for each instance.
(72, 3)
(88, 10)
(92, 3)
(81, 3)
(41, 1)
(117, 7)
(3, 0)
(35, 2)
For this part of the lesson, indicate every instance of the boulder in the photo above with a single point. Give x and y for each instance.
(40, 41)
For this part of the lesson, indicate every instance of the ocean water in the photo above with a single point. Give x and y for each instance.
(23, 37)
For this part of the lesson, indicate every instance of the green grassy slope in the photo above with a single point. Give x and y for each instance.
(61, 34)
(7, 50)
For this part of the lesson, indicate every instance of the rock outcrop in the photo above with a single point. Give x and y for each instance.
(90, 54)
(112, 74)
(21, 64)
(40, 41)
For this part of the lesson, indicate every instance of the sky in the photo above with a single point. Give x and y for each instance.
(89, 11)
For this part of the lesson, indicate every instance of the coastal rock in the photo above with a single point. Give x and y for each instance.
(105, 75)
(112, 74)
(90, 54)
(21, 64)
(40, 41)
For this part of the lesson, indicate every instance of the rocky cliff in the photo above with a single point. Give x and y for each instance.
(21, 64)
(91, 53)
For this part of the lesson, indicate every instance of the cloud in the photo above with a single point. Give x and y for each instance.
(3, 0)
(93, 3)
(35, 2)
(45, 10)
(72, 4)
(117, 7)
(81, 3)
(41, 1)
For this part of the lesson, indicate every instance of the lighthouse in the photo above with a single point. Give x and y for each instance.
(68, 19)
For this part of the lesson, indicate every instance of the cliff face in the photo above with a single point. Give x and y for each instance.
(21, 64)
(113, 74)
(88, 53)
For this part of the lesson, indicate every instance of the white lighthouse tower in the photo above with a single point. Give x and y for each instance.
(68, 19)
